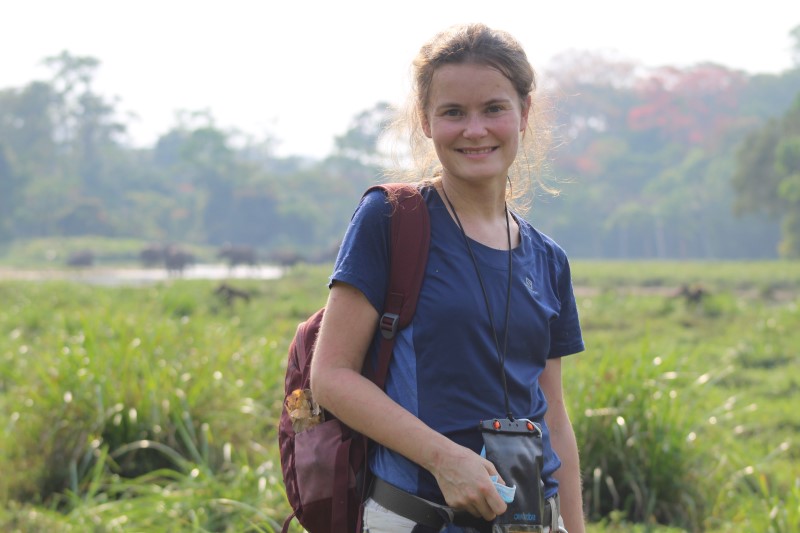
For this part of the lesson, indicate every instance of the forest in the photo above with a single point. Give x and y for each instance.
(154, 406)
(700, 162)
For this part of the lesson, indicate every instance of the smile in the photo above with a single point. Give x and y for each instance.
(476, 151)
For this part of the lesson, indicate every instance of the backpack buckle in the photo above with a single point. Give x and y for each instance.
(388, 325)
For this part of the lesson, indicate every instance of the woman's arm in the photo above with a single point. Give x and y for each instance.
(562, 438)
(347, 330)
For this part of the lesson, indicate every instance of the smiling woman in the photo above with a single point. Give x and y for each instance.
(465, 357)
(475, 114)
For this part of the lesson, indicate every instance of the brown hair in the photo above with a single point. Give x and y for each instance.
(476, 44)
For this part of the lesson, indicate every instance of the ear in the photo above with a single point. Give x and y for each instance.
(425, 123)
(526, 107)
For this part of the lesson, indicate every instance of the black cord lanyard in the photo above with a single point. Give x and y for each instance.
(501, 354)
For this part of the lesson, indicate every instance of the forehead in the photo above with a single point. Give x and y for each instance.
(468, 81)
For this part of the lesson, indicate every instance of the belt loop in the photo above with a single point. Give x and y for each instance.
(555, 512)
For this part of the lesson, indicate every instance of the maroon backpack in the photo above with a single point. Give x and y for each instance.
(324, 466)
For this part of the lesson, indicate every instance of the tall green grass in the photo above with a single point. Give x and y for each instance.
(155, 408)
(678, 404)
(121, 401)
(763, 275)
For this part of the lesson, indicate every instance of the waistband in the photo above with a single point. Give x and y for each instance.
(434, 515)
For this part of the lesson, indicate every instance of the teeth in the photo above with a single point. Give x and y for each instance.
(481, 151)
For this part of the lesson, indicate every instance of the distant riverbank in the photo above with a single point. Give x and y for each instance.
(113, 276)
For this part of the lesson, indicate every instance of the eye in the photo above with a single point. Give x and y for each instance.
(494, 108)
(451, 113)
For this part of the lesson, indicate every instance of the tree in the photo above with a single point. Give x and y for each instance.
(26, 127)
(86, 128)
(693, 106)
(33, 157)
(646, 158)
(787, 163)
(361, 141)
(62, 138)
(9, 193)
(220, 194)
(767, 178)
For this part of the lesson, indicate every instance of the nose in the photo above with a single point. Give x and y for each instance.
(474, 127)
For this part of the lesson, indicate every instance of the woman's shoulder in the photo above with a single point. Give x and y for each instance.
(538, 238)
(541, 242)
(379, 202)
(373, 205)
(378, 196)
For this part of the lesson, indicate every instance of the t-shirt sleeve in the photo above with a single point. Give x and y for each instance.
(363, 259)
(565, 331)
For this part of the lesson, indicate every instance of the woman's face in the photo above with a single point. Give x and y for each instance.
(474, 118)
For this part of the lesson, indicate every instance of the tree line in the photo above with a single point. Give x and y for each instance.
(695, 162)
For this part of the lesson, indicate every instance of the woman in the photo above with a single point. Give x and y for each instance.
(496, 311)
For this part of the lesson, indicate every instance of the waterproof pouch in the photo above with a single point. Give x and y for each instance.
(515, 449)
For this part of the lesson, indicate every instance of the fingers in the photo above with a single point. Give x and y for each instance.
(482, 500)
(493, 504)
(464, 479)
(492, 471)
(488, 507)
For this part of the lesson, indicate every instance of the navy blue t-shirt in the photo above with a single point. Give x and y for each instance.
(445, 368)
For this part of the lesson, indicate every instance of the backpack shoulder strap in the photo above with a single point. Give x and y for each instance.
(410, 240)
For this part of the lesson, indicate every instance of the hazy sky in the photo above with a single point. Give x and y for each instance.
(301, 70)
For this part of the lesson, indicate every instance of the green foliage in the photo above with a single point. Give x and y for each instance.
(52, 253)
(645, 168)
(154, 408)
(142, 407)
(360, 141)
(676, 397)
(634, 448)
(768, 175)
(236, 498)
(647, 163)
(65, 172)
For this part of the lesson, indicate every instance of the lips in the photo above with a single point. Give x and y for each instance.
(476, 151)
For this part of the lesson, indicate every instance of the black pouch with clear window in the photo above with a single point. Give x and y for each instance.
(515, 449)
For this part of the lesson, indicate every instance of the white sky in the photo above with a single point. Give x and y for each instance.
(301, 70)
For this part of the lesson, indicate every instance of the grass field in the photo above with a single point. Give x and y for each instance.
(155, 408)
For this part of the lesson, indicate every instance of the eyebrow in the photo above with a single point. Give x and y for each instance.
(449, 105)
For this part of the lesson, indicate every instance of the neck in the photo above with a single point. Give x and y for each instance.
(480, 202)
(481, 214)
